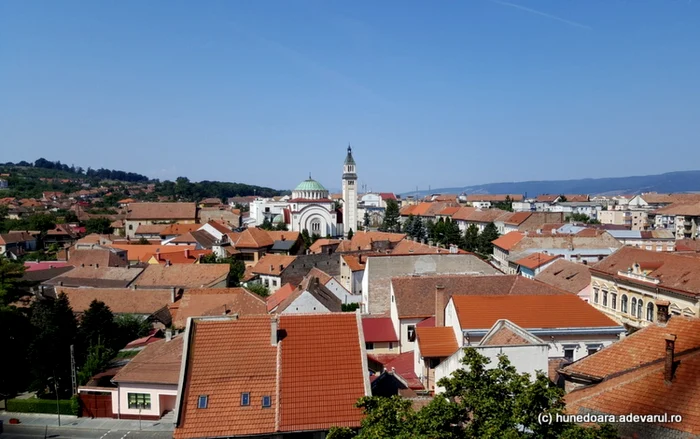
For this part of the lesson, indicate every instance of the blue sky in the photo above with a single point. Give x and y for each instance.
(428, 93)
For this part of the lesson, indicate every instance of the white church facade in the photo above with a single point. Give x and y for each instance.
(310, 206)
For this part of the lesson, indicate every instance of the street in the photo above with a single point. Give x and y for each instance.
(26, 431)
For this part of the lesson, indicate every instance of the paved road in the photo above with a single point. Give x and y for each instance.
(28, 432)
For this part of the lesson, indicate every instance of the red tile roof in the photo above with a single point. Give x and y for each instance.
(437, 341)
(536, 260)
(119, 300)
(362, 240)
(569, 276)
(517, 218)
(136, 252)
(378, 329)
(179, 257)
(408, 247)
(509, 240)
(302, 400)
(198, 302)
(316, 247)
(272, 264)
(274, 299)
(449, 211)
(403, 365)
(157, 363)
(562, 311)
(353, 262)
(494, 198)
(179, 229)
(183, 275)
(161, 211)
(254, 237)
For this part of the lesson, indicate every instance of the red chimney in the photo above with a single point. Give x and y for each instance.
(440, 304)
(668, 364)
(662, 313)
(187, 253)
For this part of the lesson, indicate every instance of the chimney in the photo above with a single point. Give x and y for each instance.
(172, 294)
(187, 253)
(272, 267)
(133, 287)
(97, 265)
(668, 365)
(273, 331)
(168, 335)
(281, 267)
(82, 265)
(662, 311)
(158, 254)
(430, 243)
(440, 304)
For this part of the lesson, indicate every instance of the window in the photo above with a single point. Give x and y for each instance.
(139, 401)
(639, 309)
(623, 304)
(592, 349)
(411, 333)
(391, 345)
(267, 282)
(266, 401)
(605, 298)
(369, 346)
(202, 402)
(245, 398)
(613, 301)
(634, 307)
(650, 312)
(274, 282)
(131, 227)
(595, 295)
(569, 354)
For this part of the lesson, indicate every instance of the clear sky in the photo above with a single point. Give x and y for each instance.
(440, 93)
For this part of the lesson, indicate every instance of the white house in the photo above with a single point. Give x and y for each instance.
(334, 286)
(310, 297)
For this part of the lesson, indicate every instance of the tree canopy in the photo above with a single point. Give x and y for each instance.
(479, 402)
(391, 217)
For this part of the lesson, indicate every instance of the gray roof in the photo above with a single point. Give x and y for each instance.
(282, 246)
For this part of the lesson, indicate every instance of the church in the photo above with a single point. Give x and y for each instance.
(310, 207)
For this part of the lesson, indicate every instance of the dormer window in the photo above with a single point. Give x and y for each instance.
(203, 401)
(245, 399)
(266, 401)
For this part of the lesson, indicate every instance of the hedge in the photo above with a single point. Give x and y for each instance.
(35, 405)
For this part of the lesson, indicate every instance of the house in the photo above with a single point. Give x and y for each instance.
(148, 304)
(352, 269)
(145, 388)
(633, 219)
(370, 241)
(532, 264)
(526, 353)
(87, 255)
(334, 286)
(413, 299)
(633, 285)
(230, 217)
(389, 383)
(267, 389)
(61, 235)
(398, 364)
(651, 372)
(309, 297)
(200, 302)
(270, 270)
(682, 219)
(380, 336)
(96, 277)
(177, 256)
(467, 216)
(210, 202)
(184, 276)
(274, 299)
(149, 231)
(158, 213)
(572, 328)
(16, 243)
(413, 247)
(324, 245)
(658, 240)
(485, 201)
(379, 270)
(136, 253)
(215, 229)
(200, 239)
(526, 221)
(253, 243)
(568, 276)
(172, 231)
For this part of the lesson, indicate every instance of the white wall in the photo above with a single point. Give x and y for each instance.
(153, 389)
(525, 359)
(407, 345)
(270, 282)
(452, 320)
(305, 303)
(341, 293)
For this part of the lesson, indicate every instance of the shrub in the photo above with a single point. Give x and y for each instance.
(35, 405)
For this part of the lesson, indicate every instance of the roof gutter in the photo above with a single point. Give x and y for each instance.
(613, 330)
(183, 370)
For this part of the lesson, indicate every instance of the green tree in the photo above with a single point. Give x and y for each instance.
(266, 225)
(236, 272)
(130, 327)
(418, 230)
(211, 258)
(102, 226)
(97, 327)
(315, 237)
(42, 222)
(391, 217)
(452, 232)
(143, 241)
(306, 238)
(507, 204)
(489, 234)
(407, 226)
(582, 218)
(281, 226)
(258, 288)
(366, 221)
(350, 234)
(15, 335)
(4, 211)
(471, 238)
(55, 331)
(98, 358)
(430, 230)
(12, 287)
(479, 402)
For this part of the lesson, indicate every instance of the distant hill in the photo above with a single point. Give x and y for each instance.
(682, 181)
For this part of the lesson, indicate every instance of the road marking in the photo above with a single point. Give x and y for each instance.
(126, 434)
(102, 437)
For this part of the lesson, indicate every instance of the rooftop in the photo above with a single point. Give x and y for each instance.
(158, 363)
(378, 330)
(436, 341)
(161, 211)
(183, 275)
(119, 300)
(198, 302)
(566, 275)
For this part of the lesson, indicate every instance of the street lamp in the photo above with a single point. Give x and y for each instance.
(58, 407)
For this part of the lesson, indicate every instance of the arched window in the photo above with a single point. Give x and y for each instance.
(650, 312)
(640, 307)
(623, 304)
(634, 307)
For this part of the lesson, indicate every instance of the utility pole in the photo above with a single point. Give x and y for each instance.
(58, 407)
(73, 374)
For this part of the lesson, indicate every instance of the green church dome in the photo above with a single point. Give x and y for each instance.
(310, 185)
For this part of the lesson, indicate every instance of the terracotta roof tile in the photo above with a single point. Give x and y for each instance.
(218, 226)
(408, 247)
(415, 296)
(493, 198)
(179, 229)
(200, 302)
(316, 247)
(464, 213)
(272, 264)
(162, 211)
(505, 337)
(274, 299)
(569, 276)
(536, 260)
(323, 295)
(119, 300)
(437, 341)
(150, 229)
(517, 218)
(183, 275)
(105, 277)
(178, 257)
(378, 329)
(353, 262)
(449, 211)
(563, 311)
(254, 237)
(509, 240)
(158, 363)
(362, 240)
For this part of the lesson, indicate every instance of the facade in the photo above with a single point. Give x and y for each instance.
(380, 337)
(636, 287)
(634, 219)
(158, 213)
(656, 240)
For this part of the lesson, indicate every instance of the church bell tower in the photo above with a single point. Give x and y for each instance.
(349, 194)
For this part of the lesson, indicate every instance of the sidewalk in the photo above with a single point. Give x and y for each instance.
(38, 419)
